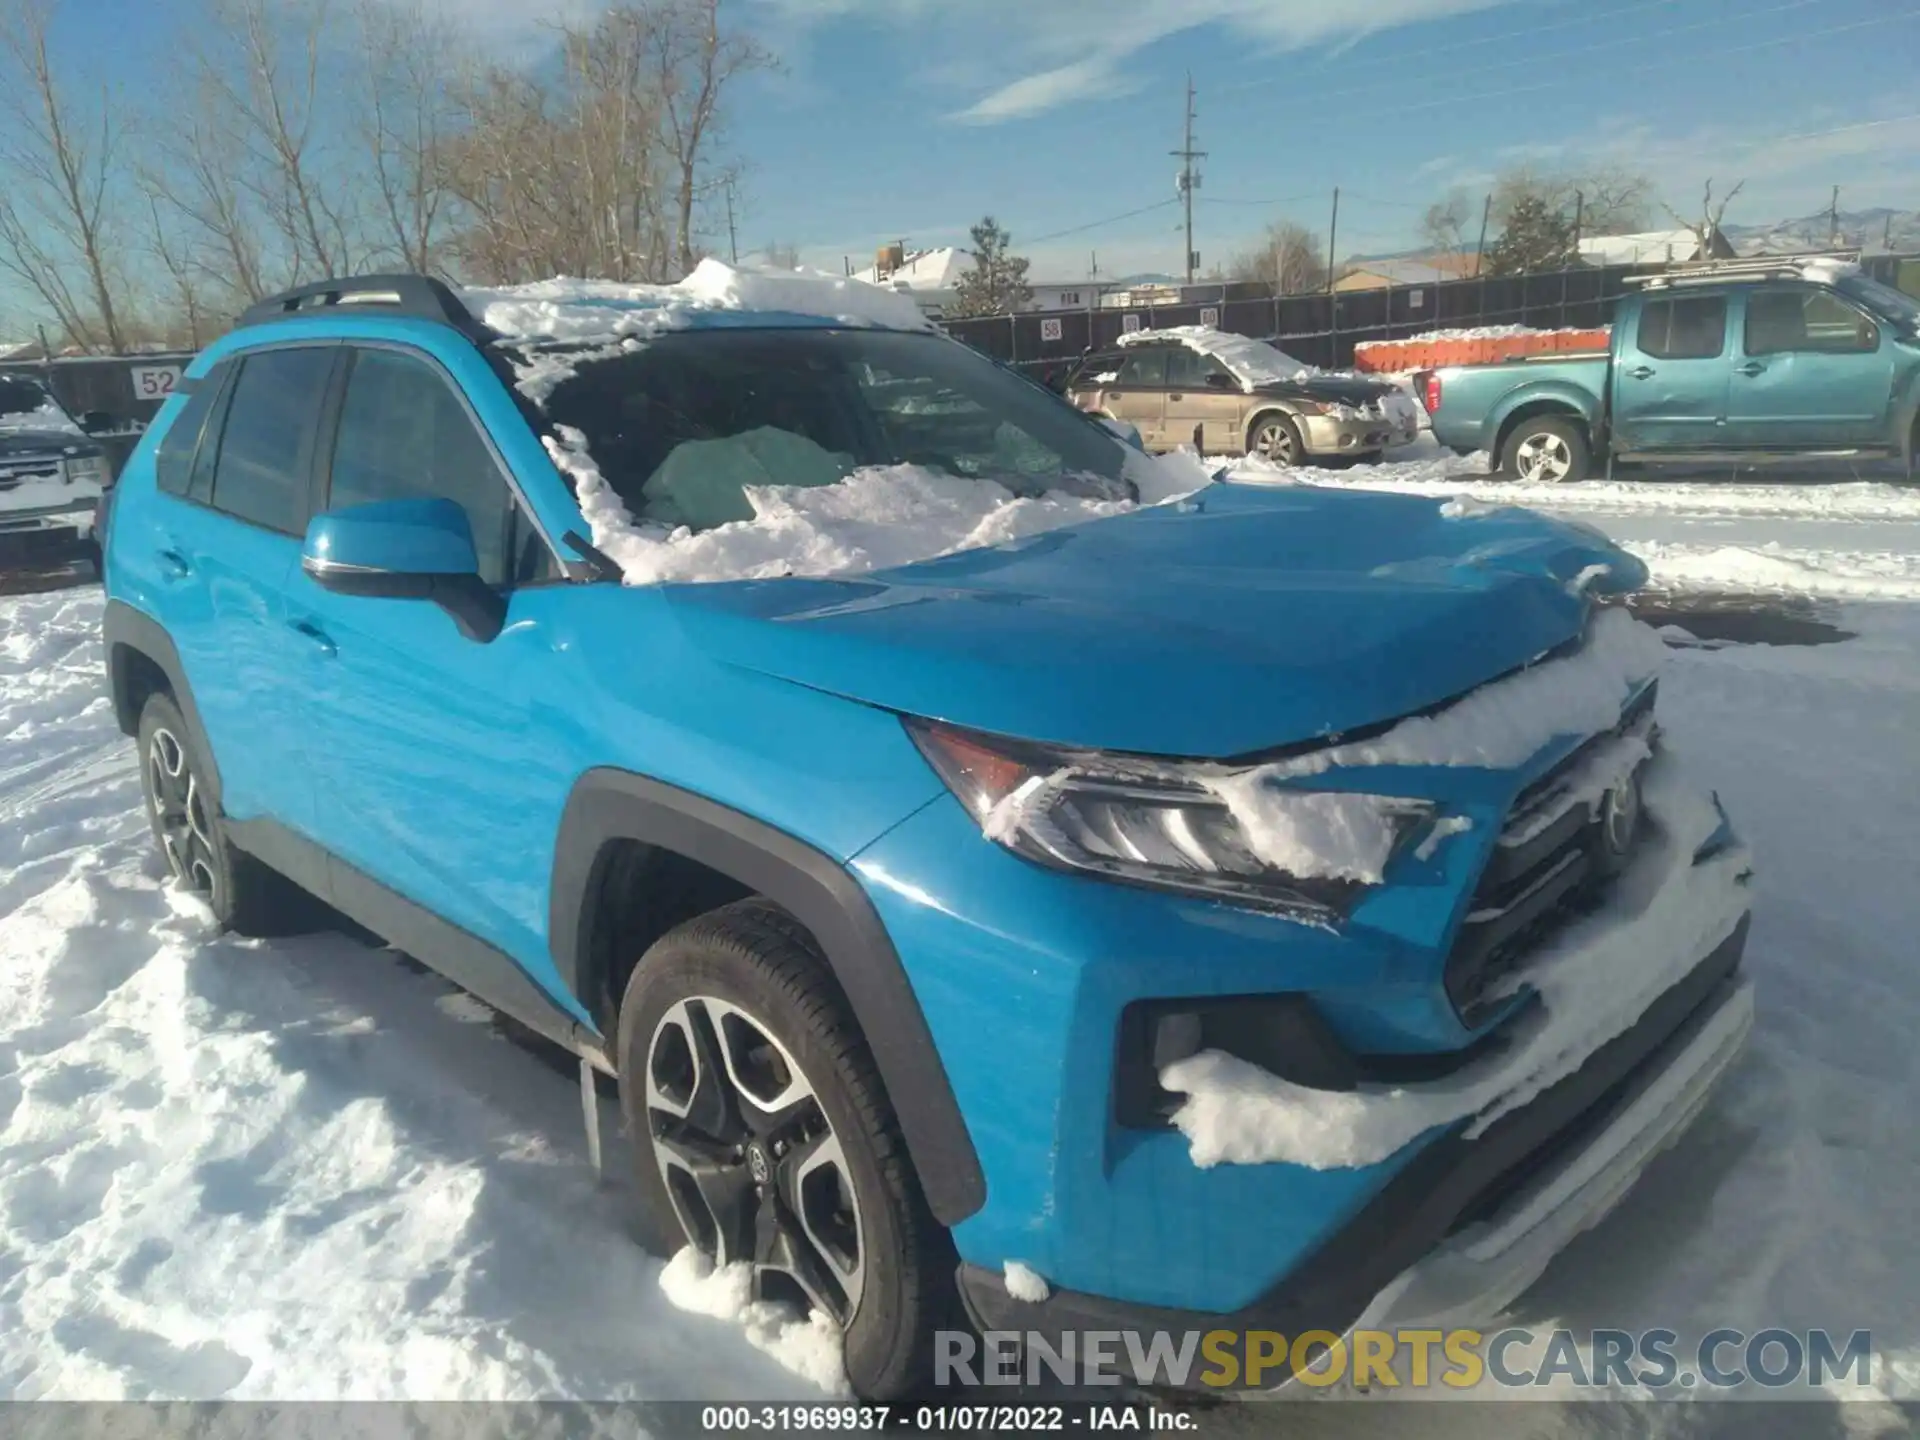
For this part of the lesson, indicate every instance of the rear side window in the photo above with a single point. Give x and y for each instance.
(404, 435)
(1692, 327)
(1144, 367)
(173, 461)
(1190, 370)
(267, 447)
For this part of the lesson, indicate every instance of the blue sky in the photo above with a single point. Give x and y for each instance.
(911, 118)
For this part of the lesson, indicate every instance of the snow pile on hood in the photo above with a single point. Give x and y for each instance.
(877, 518)
(1343, 836)
(1253, 362)
(1594, 980)
(46, 414)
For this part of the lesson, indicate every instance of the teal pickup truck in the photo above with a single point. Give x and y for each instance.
(1741, 362)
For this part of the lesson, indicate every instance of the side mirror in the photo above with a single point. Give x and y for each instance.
(1217, 381)
(405, 550)
(98, 422)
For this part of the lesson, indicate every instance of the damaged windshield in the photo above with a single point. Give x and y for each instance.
(683, 425)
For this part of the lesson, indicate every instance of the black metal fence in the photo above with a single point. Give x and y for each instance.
(1322, 330)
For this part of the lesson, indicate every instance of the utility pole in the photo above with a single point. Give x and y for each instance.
(1833, 219)
(1480, 254)
(1189, 176)
(733, 236)
(1333, 237)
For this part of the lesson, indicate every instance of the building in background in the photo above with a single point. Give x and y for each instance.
(1397, 271)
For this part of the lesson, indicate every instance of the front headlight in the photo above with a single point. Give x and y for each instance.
(86, 468)
(1200, 828)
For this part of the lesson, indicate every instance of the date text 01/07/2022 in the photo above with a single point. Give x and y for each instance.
(935, 1419)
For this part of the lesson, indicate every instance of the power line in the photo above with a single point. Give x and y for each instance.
(1096, 224)
(1280, 200)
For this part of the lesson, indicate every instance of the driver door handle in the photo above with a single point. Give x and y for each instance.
(1752, 367)
(1176, 395)
(176, 565)
(1641, 372)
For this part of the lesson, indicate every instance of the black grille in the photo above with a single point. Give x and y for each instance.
(1547, 869)
(11, 476)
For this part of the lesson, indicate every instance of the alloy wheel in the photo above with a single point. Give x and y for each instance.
(1544, 457)
(180, 814)
(1275, 441)
(749, 1158)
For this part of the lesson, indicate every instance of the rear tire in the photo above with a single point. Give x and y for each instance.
(244, 895)
(1547, 450)
(815, 1190)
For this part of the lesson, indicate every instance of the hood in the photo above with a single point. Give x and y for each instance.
(42, 441)
(1334, 389)
(1237, 621)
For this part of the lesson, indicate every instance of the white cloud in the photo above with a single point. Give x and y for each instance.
(1060, 51)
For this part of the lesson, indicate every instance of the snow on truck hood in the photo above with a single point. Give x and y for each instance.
(1223, 625)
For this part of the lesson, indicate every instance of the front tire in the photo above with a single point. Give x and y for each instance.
(1547, 450)
(190, 830)
(762, 1134)
(1275, 437)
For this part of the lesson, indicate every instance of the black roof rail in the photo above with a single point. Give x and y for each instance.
(418, 297)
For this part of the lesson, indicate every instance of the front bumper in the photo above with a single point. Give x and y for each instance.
(47, 534)
(1470, 1223)
(1332, 435)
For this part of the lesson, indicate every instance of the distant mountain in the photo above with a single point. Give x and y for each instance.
(1870, 230)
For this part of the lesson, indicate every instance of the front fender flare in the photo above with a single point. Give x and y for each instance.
(608, 805)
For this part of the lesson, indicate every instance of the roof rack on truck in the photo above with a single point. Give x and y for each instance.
(417, 297)
(1755, 267)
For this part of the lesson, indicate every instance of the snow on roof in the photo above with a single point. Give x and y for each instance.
(606, 311)
(1648, 247)
(1827, 269)
(1253, 362)
(922, 270)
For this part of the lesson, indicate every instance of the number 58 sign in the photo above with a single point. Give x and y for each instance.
(155, 382)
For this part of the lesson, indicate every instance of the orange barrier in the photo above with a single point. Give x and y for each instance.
(1398, 356)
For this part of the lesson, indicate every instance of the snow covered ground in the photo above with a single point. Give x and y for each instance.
(1836, 538)
(307, 1170)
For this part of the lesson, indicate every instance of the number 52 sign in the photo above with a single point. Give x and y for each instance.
(155, 382)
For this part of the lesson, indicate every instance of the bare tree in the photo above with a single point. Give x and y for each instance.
(1292, 259)
(58, 191)
(783, 255)
(407, 72)
(694, 61)
(1707, 226)
(1608, 199)
(1444, 226)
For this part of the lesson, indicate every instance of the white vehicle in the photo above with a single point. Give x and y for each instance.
(52, 475)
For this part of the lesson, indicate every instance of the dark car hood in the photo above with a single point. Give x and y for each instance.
(1335, 389)
(14, 443)
(1239, 620)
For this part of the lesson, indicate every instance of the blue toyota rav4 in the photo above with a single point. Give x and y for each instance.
(891, 898)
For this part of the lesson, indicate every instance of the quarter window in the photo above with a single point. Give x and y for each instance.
(404, 435)
(1690, 327)
(266, 449)
(1798, 318)
(173, 461)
